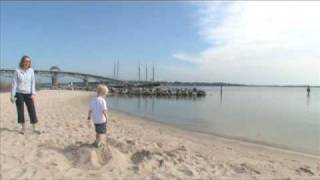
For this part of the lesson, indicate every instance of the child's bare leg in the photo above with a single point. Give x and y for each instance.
(103, 138)
(98, 138)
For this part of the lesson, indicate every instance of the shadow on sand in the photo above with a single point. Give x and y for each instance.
(10, 130)
(20, 132)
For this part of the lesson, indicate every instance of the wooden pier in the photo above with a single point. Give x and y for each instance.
(158, 92)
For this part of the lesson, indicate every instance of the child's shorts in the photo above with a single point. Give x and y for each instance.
(101, 128)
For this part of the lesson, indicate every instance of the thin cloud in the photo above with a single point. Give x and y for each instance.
(281, 37)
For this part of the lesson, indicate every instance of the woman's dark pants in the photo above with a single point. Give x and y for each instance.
(25, 98)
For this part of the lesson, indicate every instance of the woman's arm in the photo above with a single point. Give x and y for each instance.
(14, 84)
(33, 84)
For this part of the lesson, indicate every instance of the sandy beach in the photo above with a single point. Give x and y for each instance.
(136, 148)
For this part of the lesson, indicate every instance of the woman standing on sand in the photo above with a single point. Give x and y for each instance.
(23, 91)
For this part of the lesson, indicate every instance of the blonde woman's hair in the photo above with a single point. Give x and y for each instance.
(102, 89)
(23, 58)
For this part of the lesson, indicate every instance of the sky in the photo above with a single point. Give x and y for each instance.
(249, 42)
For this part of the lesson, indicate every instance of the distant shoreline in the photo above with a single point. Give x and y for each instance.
(230, 84)
(6, 88)
(7, 84)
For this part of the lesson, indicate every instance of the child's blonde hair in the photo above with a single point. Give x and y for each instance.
(102, 89)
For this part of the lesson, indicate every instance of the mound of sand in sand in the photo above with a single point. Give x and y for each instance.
(87, 157)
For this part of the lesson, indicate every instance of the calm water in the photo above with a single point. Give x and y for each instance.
(279, 116)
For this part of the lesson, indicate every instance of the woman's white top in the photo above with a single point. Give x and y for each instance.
(98, 105)
(23, 82)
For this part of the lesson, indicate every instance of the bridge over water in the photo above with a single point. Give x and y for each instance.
(54, 73)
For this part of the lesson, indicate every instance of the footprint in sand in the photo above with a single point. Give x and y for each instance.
(242, 168)
(122, 147)
(139, 156)
(186, 171)
(304, 170)
(220, 169)
(237, 168)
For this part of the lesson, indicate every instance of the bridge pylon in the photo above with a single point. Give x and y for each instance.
(54, 78)
(86, 81)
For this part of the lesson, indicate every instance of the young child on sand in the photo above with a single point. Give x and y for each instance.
(98, 112)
